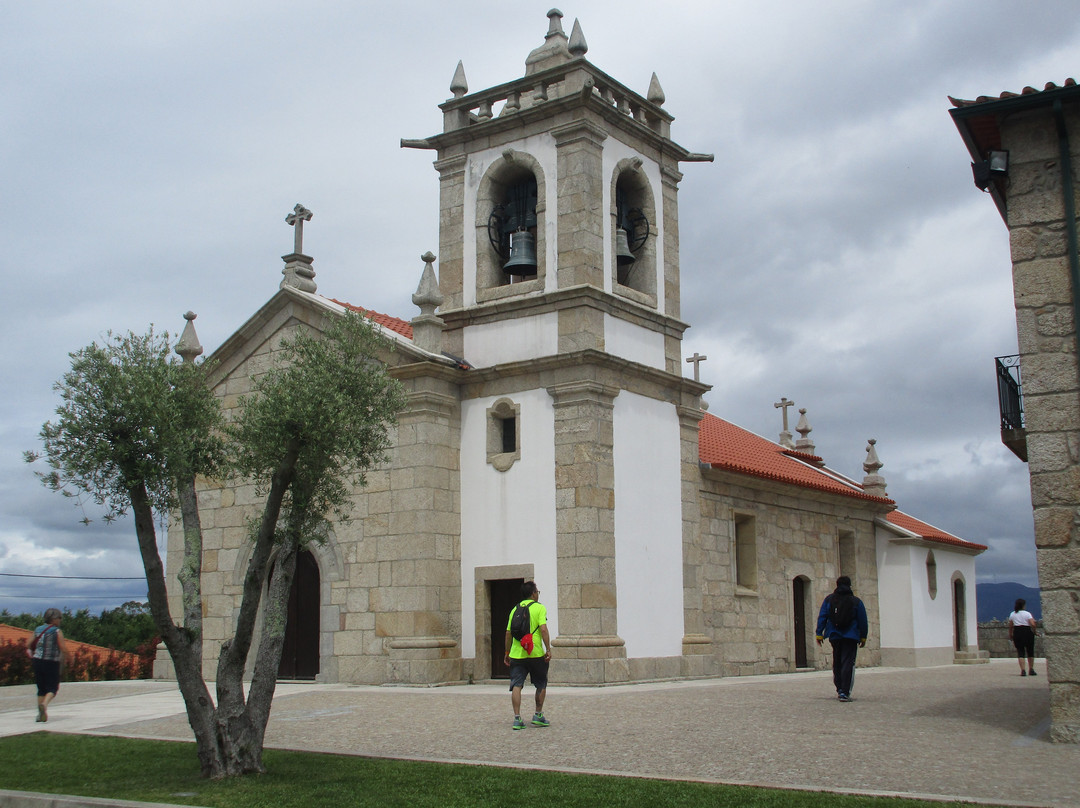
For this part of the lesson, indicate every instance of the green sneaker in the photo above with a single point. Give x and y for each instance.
(540, 721)
(518, 723)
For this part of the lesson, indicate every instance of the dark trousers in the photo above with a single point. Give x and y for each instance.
(843, 663)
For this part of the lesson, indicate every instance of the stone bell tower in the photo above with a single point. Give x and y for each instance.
(559, 264)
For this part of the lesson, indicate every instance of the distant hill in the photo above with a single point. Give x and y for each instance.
(996, 600)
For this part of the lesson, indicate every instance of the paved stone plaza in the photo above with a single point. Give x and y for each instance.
(950, 731)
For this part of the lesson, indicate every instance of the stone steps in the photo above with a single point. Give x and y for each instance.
(976, 657)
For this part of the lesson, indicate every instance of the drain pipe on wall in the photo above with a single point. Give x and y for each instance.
(1070, 221)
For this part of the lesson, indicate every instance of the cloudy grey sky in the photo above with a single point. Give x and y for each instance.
(836, 252)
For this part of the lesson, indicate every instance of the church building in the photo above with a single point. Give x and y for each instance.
(551, 435)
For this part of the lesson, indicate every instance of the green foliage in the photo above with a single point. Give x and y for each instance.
(102, 767)
(334, 404)
(127, 628)
(124, 628)
(131, 414)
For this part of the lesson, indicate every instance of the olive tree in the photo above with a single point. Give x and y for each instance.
(136, 429)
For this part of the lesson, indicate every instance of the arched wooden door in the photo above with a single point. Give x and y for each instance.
(798, 591)
(300, 652)
(959, 616)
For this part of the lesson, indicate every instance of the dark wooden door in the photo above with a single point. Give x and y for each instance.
(300, 653)
(798, 591)
(505, 595)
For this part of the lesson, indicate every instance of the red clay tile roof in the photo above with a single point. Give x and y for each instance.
(395, 324)
(928, 531)
(11, 634)
(725, 446)
(982, 99)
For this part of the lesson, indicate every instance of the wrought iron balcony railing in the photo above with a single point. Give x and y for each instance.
(1011, 405)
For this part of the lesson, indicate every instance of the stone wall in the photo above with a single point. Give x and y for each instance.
(752, 627)
(1046, 331)
(994, 638)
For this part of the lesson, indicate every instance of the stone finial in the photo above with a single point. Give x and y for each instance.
(427, 327)
(578, 46)
(804, 444)
(554, 24)
(656, 92)
(873, 483)
(188, 347)
(458, 85)
(785, 434)
(554, 51)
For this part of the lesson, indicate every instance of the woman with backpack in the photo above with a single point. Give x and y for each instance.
(842, 620)
(47, 650)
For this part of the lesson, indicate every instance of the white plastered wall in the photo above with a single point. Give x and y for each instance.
(629, 341)
(648, 526)
(508, 517)
(512, 340)
(917, 628)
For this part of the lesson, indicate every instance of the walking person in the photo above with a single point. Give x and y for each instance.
(1022, 633)
(48, 650)
(528, 656)
(842, 620)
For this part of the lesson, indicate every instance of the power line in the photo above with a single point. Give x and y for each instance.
(73, 577)
(74, 597)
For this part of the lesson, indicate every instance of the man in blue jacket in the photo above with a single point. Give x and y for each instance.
(843, 620)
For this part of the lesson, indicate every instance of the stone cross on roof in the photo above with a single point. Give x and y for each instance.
(696, 360)
(297, 218)
(785, 435)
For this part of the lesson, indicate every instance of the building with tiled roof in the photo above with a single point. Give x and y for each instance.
(12, 635)
(1025, 150)
(551, 435)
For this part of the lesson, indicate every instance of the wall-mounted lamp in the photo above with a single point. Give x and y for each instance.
(996, 164)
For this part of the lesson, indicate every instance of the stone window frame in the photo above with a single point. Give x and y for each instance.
(491, 282)
(500, 411)
(744, 552)
(643, 288)
(931, 575)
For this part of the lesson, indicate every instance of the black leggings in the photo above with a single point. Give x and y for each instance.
(1024, 640)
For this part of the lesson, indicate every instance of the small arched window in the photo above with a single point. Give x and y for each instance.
(931, 574)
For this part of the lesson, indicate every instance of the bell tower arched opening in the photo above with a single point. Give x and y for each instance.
(510, 241)
(633, 231)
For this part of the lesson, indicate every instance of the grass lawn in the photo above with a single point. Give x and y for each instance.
(161, 771)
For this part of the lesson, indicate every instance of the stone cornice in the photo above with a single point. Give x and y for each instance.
(582, 295)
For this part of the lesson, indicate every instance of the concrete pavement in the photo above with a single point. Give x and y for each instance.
(970, 732)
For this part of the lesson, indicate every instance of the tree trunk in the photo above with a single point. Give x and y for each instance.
(185, 650)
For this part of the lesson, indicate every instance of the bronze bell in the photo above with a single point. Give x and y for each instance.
(623, 256)
(522, 254)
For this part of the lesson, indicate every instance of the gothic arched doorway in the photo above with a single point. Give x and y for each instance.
(300, 652)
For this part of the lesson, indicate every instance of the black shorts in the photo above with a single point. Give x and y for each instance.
(535, 667)
(46, 676)
(1024, 640)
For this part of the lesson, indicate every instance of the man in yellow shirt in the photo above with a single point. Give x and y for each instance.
(528, 656)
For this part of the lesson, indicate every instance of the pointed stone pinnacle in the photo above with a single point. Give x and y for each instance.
(458, 85)
(656, 92)
(578, 46)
